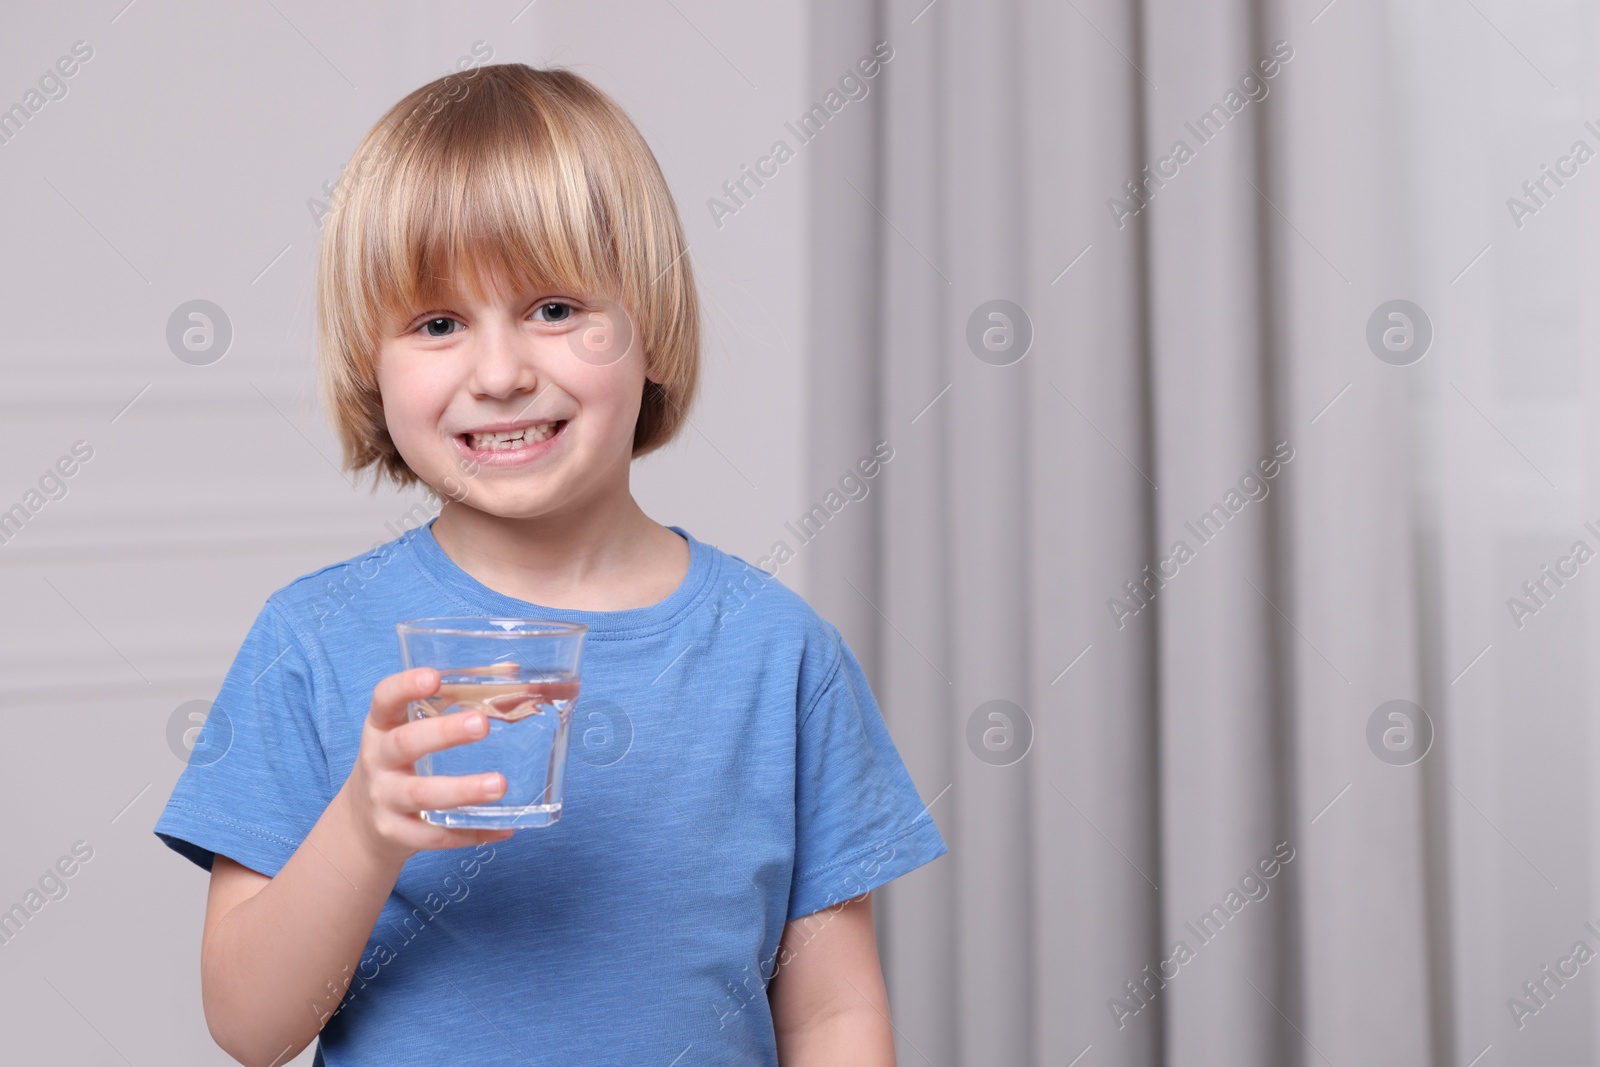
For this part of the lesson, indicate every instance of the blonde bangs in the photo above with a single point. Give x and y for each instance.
(503, 174)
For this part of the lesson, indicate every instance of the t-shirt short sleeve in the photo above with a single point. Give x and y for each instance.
(257, 777)
(859, 821)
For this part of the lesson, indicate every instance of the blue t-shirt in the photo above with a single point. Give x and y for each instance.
(729, 772)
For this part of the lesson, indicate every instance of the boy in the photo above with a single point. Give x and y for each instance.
(506, 315)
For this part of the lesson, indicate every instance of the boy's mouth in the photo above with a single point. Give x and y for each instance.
(511, 440)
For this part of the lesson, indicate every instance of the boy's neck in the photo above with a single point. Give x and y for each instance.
(611, 558)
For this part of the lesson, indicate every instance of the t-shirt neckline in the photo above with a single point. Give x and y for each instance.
(437, 566)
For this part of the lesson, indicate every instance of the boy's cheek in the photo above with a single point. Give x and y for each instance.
(454, 488)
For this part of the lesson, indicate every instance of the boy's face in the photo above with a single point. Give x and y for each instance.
(520, 403)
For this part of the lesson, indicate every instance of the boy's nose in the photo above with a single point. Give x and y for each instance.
(503, 364)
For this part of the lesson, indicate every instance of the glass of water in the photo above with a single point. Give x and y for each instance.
(523, 674)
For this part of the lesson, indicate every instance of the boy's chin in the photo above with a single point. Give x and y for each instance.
(508, 507)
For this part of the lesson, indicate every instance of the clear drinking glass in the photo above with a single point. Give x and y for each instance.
(521, 673)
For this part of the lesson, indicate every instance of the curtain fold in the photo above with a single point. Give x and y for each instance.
(1163, 533)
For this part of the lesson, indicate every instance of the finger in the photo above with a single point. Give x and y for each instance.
(443, 837)
(411, 793)
(391, 695)
(402, 746)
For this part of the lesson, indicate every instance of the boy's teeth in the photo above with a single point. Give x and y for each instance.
(512, 438)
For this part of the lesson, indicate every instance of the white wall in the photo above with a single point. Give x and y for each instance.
(178, 166)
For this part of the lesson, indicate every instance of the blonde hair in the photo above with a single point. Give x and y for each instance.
(500, 172)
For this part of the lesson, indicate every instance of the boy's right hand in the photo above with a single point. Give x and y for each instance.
(385, 794)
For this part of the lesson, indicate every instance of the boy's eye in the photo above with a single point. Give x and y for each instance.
(558, 312)
(439, 327)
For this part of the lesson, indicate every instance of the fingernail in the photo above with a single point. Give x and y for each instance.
(477, 724)
(491, 784)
